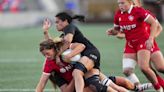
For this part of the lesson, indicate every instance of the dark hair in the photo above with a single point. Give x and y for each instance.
(65, 16)
(48, 44)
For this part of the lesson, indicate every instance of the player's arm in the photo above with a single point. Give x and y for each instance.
(159, 29)
(42, 83)
(116, 27)
(112, 31)
(46, 26)
(120, 35)
(153, 26)
(76, 49)
(67, 42)
(153, 30)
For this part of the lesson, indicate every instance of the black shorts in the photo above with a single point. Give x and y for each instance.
(113, 78)
(56, 79)
(93, 54)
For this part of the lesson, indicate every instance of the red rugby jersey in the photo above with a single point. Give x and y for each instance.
(132, 23)
(65, 71)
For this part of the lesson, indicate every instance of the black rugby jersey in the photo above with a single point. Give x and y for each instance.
(78, 36)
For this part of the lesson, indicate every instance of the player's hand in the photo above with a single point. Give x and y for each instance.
(46, 25)
(111, 31)
(66, 58)
(149, 43)
(120, 35)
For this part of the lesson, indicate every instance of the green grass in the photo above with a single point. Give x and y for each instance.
(21, 62)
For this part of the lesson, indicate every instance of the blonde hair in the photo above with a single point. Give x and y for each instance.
(130, 1)
(137, 3)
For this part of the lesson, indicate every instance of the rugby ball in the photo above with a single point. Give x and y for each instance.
(74, 58)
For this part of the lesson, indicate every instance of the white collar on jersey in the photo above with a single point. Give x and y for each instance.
(130, 9)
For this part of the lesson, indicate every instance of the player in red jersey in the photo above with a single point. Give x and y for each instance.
(64, 72)
(48, 49)
(156, 55)
(139, 43)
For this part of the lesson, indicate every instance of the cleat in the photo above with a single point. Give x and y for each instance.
(144, 86)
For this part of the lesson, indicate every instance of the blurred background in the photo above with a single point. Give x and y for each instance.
(15, 12)
(21, 32)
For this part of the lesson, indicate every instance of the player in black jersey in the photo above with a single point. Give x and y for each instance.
(90, 60)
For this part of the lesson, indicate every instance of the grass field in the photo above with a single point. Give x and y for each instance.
(21, 62)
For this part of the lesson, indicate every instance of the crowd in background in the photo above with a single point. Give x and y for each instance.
(11, 6)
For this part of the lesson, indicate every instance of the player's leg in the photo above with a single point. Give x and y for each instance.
(121, 81)
(129, 63)
(143, 57)
(158, 61)
(108, 82)
(94, 83)
(89, 60)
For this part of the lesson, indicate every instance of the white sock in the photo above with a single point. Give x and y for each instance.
(133, 78)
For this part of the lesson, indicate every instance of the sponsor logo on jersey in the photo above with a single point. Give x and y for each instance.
(66, 68)
(127, 27)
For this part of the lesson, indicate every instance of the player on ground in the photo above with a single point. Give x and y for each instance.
(63, 74)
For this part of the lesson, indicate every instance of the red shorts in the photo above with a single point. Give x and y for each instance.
(135, 46)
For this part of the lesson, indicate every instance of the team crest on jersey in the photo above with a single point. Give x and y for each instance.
(131, 18)
(119, 19)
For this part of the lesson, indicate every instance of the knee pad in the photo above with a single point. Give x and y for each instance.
(94, 83)
(128, 63)
(106, 82)
(80, 66)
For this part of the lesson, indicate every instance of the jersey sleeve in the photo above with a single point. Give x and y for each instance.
(143, 14)
(47, 67)
(69, 29)
(116, 19)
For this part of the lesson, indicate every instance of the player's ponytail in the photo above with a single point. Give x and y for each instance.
(80, 18)
(65, 16)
